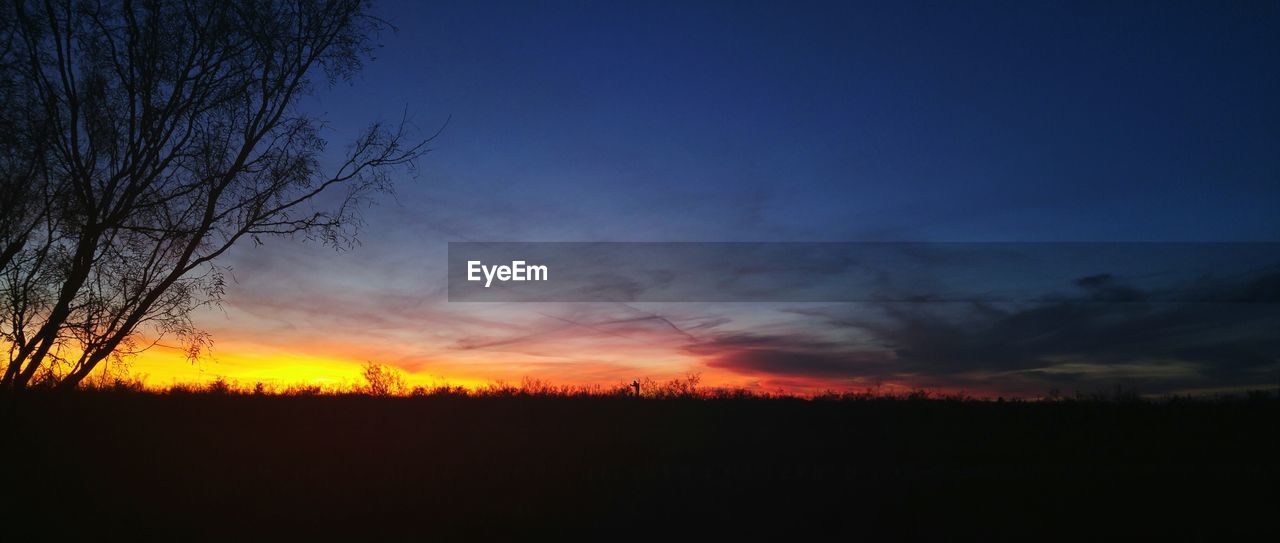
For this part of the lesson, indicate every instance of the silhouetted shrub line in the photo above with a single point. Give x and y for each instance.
(388, 382)
(678, 390)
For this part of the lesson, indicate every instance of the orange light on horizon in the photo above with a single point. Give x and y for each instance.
(164, 366)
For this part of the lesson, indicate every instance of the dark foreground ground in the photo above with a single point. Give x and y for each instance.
(209, 467)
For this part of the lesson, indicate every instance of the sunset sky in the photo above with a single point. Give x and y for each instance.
(858, 121)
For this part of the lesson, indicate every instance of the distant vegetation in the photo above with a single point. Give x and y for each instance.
(386, 381)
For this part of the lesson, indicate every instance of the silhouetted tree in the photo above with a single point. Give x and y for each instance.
(148, 138)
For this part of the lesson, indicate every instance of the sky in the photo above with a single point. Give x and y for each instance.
(795, 121)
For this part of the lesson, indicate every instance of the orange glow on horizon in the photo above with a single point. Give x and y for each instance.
(340, 366)
(162, 367)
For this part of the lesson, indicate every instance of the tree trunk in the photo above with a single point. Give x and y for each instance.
(48, 333)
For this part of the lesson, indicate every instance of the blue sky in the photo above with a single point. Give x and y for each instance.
(849, 121)
(773, 121)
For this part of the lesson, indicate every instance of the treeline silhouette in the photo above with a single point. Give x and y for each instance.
(688, 387)
(383, 380)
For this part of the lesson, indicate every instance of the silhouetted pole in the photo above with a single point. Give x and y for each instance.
(636, 385)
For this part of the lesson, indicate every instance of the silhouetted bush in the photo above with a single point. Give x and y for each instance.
(382, 380)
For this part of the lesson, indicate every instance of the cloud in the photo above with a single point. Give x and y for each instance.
(1108, 324)
(1108, 332)
(795, 355)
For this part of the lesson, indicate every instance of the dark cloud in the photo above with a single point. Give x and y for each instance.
(1108, 332)
(788, 355)
(1108, 324)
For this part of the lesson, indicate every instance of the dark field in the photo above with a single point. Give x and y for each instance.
(231, 467)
